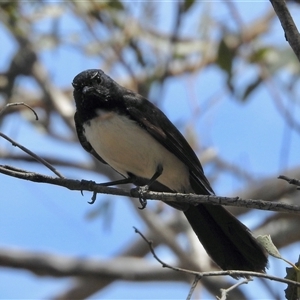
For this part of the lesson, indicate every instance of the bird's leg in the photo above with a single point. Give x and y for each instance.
(132, 179)
(120, 181)
(145, 188)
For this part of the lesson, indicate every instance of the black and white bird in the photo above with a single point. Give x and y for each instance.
(126, 131)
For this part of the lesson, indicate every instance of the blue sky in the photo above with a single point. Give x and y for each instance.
(52, 219)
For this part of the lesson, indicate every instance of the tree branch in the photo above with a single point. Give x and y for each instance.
(290, 180)
(288, 25)
(19, 104)
(14, 143)
(57, 161)
(91, 186)
(120, 268)
(35, 156)
(233, 273)
(224, 292)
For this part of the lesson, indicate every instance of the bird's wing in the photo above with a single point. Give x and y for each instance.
(161, 128)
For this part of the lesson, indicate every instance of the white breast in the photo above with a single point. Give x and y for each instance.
(127, 147)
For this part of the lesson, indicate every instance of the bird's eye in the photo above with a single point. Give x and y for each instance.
(96, 78)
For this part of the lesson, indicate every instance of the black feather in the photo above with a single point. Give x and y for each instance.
(229, 242)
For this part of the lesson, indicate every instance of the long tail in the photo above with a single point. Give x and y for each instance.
(229, 242)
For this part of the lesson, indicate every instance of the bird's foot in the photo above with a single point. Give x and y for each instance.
(141, 191)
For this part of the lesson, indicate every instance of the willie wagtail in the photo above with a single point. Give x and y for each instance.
(123, 129)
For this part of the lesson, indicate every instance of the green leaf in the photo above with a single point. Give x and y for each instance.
(251, 88)
(115, 4)
(292, 292)
(225, 57)
(260, 55)
(266, 242)
(187, 4)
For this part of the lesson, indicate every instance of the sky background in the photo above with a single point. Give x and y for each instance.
(50, 219)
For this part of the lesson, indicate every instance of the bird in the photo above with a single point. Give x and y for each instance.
(123, 129)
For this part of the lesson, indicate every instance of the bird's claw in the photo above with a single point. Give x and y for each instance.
(143, 202)
(142, 199)
(93, 199)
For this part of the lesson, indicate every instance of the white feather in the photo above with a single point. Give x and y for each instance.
(127, 147)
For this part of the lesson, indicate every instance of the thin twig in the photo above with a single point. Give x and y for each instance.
(290, 180)
(89, 166)
(150, 243)
(192, 289)
(35, 156)
(233, 273)
(18, 103)
(224, 292)
(14, 143)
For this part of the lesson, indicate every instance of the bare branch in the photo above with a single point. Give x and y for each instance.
(16, 104)
(35, 156)
(288, 25)
(226, 291)
(232, 273)
(193, 287)
(91, 186)
(89, 166)
(121, 268)
(168, 236)
(290, 180)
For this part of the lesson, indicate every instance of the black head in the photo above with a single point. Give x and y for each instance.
(86, 78)
(93, 90)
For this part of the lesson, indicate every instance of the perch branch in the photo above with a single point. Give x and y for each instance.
(84, 185)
